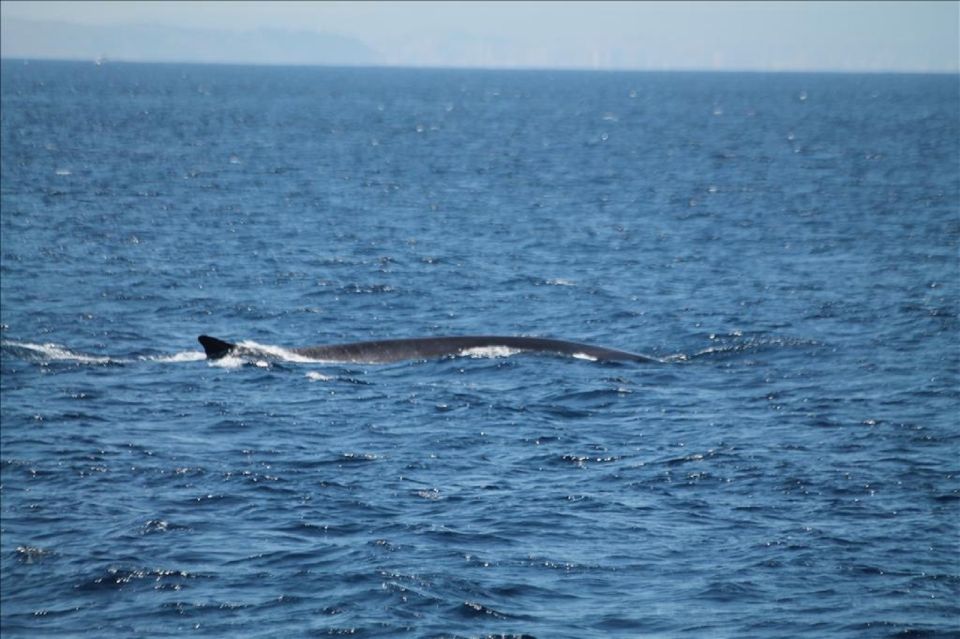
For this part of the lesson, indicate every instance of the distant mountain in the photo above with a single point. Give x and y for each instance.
(154, 43)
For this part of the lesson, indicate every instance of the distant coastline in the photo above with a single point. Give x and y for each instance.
(48, 40)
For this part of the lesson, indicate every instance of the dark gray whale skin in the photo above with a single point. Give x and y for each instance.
(395, 350)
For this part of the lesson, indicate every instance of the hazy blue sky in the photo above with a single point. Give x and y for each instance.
(873, 36)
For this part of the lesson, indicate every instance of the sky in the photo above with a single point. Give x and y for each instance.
(735, 35)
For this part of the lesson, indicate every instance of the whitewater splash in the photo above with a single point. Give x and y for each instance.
(489, 352)
(589, 358)
(50, 352)
(185, 356)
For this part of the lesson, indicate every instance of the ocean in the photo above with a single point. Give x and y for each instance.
(784, 245)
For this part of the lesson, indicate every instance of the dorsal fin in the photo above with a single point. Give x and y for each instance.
(215, 348)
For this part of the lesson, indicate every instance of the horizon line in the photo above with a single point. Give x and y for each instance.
(106, 60)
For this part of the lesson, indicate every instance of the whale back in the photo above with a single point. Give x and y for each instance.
(395, 350)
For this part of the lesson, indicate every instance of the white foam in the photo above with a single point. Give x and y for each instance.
(314, 376)
(185, 356)
(559, 281)
(228, 361)
(55, 352)
(489, 351)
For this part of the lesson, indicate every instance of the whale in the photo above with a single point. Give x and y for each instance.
(426, 348)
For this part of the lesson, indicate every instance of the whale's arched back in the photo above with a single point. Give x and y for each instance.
(395, 350)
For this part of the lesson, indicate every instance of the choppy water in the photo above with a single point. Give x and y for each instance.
(787, 243)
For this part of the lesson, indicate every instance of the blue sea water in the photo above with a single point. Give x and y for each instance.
(787, 244)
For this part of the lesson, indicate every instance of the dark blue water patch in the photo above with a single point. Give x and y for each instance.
(785, 244)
